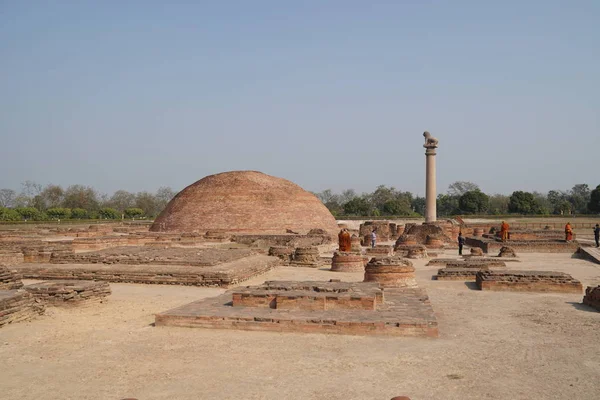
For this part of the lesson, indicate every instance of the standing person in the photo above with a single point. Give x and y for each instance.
(504, 231)
(461, 243)
(568, 232)
(373, 238)
(597, 235)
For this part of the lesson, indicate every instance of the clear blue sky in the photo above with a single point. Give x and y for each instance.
(329, 94)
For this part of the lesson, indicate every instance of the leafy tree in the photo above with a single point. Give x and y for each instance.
(498, 204)
(474, 202)
(163, 196)
(28, 213)
(8, 214)
(147, 202)
(79, 213)
(51, 196)
(79, 196)
(397, 207)
(580, 197)
(357, 206)
(523, 203)
(559, 202)
(418, 205)
(461, 187)
(109, 213)
(133, 212)
(447, 205)
(7, 197)
(59, 213)
(121, 200)
(594, 203)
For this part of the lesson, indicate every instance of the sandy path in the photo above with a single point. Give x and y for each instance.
(492, 346)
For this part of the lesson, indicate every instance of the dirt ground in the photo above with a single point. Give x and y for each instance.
(491, 346)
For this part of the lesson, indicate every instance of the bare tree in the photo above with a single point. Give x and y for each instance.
(7, 197)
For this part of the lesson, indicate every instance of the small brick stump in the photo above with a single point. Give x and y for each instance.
(476, 252)
(217, 236)
(528, 281)
(70, 293)
(9, 280)
(18, 305)
(417, 252)
(347, 262)
(434, 242)
(592, 297)
(391, 272)
(506, 251)
(307, 257)
(409, 240)
(380, 250)
(284, 253)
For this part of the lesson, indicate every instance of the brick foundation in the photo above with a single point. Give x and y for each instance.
(592, 297)
(528, 281)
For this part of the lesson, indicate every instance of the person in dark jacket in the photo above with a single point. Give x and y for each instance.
(461, 243)
(597, 235)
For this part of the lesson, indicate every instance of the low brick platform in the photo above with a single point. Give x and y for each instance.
(523, 246)
(528, 281)
(70, 293)
(589, 253)
(347, 262)
(18, 305)
(405, 312)
(592, 297)
(491, 261)
(223, 275)
(9, 280)
(308, 295)
(147, 255)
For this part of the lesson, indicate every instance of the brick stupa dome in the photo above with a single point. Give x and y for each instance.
(245, 202)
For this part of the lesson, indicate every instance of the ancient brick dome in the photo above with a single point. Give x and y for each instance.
(245, 202)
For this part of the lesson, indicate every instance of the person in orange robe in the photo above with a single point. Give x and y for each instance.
(504, 231)
(568, 232)
(345, 240)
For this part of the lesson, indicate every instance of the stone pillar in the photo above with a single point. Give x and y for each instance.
(430, 145)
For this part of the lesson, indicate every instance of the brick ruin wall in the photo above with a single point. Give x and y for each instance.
(528, 281)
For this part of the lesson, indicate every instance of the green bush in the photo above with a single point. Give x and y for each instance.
(59, 213)
(8, 214)
(133, 212)
(109, 213)
(28, 213)
(79, 213)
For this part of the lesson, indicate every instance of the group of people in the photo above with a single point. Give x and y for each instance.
(345, 240)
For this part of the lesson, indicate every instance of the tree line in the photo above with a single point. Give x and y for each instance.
(52, 202)
(463, 198)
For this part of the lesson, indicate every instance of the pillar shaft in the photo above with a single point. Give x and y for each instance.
(430, 186)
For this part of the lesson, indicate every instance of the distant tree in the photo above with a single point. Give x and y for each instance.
(347, 195)
(163, 196)
(109, 213)
(52, 196)
(523, 203)
(7, 197)
(8, 214)
(382, 195)
(59, 213)
(398, 206)
(461, 187)
(79, 213)
(447, 205)
(498, 204)
(474, 202)
(133, 212)
(79, 196)
(28, 213)
(418, 205)
(147, 202)
(121, 200)
(580, 197)
(357, 206)
(594, 203)
(559, 202)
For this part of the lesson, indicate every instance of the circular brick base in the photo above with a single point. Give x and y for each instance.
(347, 262)
(390, 272)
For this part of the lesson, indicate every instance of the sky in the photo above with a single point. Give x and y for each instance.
(332, 94)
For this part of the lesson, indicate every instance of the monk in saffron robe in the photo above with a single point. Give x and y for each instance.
(345, 240)
(568, 232)
(504, 231)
